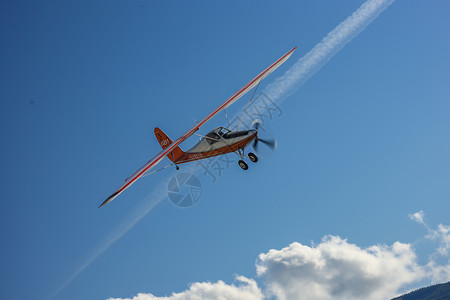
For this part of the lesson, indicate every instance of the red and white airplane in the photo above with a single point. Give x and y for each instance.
(217, 142)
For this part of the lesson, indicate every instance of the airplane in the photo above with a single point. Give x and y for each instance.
(219, 141)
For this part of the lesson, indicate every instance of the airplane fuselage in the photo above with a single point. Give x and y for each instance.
(215, 143)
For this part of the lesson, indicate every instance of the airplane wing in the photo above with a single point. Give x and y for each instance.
(155, 160)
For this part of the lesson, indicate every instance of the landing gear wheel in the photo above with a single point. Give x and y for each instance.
(243, 165)
(253, 157)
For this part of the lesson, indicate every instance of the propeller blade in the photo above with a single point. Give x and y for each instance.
(255, 144)
(271, 143)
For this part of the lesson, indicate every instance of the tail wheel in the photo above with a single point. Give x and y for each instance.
(243, 165)
(253, 157)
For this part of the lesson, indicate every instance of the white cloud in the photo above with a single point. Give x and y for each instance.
(437, 272)
(336, 269)
(333, 269)
(442, 236)
(417, 217)
(245, 289)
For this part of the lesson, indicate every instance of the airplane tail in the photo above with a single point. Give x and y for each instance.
(165, 142)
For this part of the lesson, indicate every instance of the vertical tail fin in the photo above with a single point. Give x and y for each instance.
(165, 142)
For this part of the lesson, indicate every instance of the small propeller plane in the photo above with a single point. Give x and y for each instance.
(219, 141)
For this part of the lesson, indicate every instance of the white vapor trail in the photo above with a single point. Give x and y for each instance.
(294, 78)
(317, 57)
(132, 219)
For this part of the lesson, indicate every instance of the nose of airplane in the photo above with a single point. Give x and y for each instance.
(252, 132)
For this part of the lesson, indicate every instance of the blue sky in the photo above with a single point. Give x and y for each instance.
(361, 145)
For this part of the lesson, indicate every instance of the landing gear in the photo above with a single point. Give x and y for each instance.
(253, 157)
(243, 165)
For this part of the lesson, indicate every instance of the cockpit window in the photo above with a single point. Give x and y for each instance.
(222, 131)
(234, 134)
(212, 137)
(216, 135)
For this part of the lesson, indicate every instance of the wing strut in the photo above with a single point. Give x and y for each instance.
(248, 104)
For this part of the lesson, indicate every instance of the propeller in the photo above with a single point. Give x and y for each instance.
(271, 143)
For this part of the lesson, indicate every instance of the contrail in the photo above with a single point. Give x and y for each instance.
(282, 87)
(132, 219)
(317, 57)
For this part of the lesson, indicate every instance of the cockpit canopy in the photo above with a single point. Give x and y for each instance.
(216, 135)
(222, 133)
